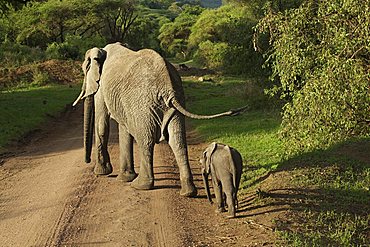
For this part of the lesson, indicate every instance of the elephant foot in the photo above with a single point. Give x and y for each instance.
(188, 189)
(105, 169)
(220, 209)
(231, 214)
(143, 183)
(126, 176)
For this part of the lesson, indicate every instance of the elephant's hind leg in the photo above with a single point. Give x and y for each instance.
(217, 188)
(177, 142)
(230, 193)
(126, 145)
(145, 179)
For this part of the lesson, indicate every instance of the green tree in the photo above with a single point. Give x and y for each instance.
(6, 5)
(144, 32)
(174, 35)
(222, 39)
(115, 17)
(40, 23)
(320, 60)
(156, 4)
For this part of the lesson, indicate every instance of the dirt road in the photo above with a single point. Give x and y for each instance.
(49, 197)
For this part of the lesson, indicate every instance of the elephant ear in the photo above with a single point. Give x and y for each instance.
(232, 166)
(92, 65)
(206, 168)
(208, 156)
(230, 156)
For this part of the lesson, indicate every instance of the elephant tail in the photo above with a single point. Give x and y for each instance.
(186, 113)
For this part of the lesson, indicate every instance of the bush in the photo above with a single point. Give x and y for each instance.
(73, 48)
(144, 31)
(222, 40)
(252, 92)
(41, 73)
(62, 51)
(13, 54)
(39, 78)
(319, 57)
(174, 35)
(212, 54)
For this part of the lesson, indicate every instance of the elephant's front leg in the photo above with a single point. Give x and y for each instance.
(126, 146)
(102, 165)
(145, 179)
(177, 141)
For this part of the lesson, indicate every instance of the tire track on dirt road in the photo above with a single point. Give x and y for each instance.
(61, 229)
(167, 187)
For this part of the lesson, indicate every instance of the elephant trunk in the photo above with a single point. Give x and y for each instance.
(186, 113)
(206, 185)
(88, 126)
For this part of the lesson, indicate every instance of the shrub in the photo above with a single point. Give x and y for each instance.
(252, 92)
(13, 54)
(144, 31)
(212, 54)
(73, 48)
(174, 35)
(319, 57)
(62, 51)
(222, 39)
(39, 78)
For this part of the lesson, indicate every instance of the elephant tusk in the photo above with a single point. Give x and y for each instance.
(78, 98)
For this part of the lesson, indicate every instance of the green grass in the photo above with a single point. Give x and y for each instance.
(253, 134)
(23, 110)
(329, 228)
(339, 178)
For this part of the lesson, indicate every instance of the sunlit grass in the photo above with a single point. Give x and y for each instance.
(328, 228)
(24, 109)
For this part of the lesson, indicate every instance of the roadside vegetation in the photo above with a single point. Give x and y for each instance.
(328, 189)
(302, 67)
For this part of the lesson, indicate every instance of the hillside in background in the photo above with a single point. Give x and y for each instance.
(205, 3)
(211, 3)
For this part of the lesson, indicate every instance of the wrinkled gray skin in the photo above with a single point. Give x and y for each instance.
(144, 94)
(225, 166)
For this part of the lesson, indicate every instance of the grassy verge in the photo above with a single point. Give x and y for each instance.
(336, 183)
(23, 110)
(328, 190)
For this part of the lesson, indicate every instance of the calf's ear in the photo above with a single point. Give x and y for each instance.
(230, 156)
(208, 155)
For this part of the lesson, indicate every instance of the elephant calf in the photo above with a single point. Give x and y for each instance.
(224, 163)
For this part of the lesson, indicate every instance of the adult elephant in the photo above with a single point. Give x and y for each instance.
(143, 93)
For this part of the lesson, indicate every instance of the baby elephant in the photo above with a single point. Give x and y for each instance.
(224, 164)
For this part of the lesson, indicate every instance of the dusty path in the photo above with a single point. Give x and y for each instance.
(49, 197)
